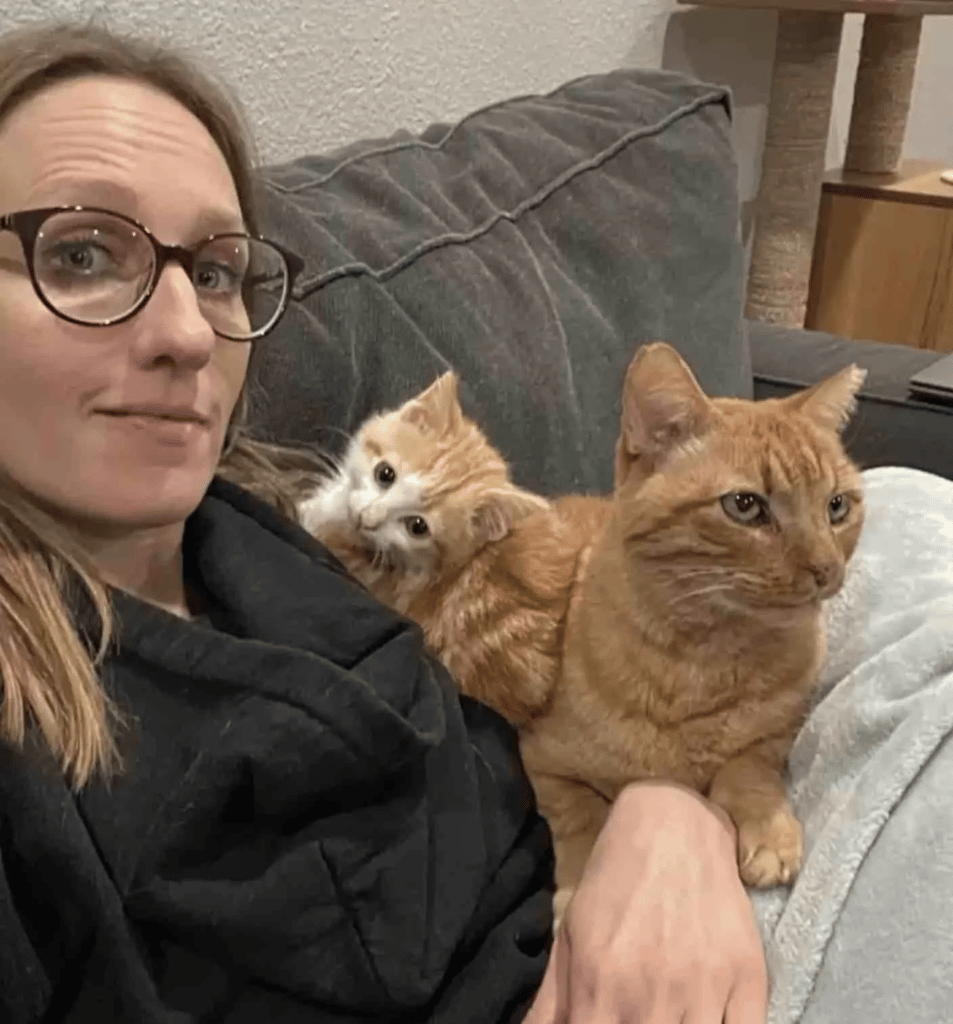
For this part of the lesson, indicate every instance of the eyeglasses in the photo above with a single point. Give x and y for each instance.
(97, 268)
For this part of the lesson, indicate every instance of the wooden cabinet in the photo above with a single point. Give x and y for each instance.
(883, 257)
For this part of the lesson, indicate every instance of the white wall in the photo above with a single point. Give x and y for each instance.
(318, 73)
(930, 128)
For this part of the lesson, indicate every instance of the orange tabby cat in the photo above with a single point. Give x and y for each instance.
(694, 636)
(424, 513)
(686, 608)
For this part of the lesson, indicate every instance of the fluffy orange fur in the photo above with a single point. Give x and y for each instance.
(672, 630)
(694, 637)
(490, 577)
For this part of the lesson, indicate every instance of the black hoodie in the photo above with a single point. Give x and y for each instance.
(310, 826)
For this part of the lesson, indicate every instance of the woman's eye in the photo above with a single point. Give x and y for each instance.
(384, 474)
(217, 277)
(745, 507)
(838, 507)
(83, 259)
(417, 526)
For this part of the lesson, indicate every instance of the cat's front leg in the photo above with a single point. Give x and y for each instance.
(576, 814)
(770, 841)
(326, 509)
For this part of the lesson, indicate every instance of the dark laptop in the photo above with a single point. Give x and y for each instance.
(934, 383)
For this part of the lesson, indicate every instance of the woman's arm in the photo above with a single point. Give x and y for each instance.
(661, 930)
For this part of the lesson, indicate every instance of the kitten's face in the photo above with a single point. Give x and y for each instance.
(424, 486)
(733, 505)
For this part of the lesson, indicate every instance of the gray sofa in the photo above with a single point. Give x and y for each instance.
(532, 247)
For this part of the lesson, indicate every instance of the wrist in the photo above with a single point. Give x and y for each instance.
(677, 798)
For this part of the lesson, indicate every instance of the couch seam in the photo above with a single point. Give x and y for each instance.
(417, 143)
(306, 287)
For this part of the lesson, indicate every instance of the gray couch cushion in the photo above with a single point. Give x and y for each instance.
(531, 247)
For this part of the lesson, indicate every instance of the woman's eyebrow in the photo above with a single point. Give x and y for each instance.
(79, 191)
(120, 198)
(218, 221)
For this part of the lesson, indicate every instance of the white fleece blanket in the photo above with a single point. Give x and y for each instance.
(866, 934)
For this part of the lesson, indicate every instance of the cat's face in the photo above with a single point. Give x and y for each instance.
(424, 486)
(734, 505)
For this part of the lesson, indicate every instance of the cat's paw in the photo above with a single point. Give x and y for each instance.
(770, 850)
(560, 902)
(326, 507)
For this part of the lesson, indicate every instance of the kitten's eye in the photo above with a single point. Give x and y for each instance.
(384, 474)
(838, 507)
(417, 526)
(745, 507)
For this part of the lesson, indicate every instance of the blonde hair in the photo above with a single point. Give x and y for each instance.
(49, 672)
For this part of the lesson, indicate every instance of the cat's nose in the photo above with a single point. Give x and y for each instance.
(828, 575)
(371, 517)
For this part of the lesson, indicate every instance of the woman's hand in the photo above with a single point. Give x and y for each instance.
(660, 930)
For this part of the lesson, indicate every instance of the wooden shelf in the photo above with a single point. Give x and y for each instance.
(916, 181)
(896, 7)
(883, 257)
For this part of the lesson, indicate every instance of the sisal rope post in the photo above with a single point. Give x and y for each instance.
(884, 84)
(792, 166)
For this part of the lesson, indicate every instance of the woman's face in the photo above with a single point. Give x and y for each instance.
(120, 427)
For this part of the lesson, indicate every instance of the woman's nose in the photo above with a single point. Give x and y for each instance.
(176, 329)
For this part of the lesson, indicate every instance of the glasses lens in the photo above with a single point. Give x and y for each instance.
(92, 267)
(242, 285)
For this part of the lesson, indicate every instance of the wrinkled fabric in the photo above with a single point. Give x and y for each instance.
(531, 247)
(310, 825)
(866, 934)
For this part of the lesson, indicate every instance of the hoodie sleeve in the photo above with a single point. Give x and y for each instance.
(500, 962)
(24, 988)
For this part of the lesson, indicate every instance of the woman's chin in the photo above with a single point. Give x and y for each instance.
(131, 506)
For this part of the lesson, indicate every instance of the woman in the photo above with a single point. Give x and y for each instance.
(233, 788)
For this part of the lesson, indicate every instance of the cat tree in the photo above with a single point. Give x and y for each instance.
(799, 115)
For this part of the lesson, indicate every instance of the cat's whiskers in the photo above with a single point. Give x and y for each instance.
(691, 595)
(755, 588)
(334, 465)
(700, 575)
(384, 559)
(710, 572)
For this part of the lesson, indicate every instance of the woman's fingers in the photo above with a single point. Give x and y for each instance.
(748, 1003)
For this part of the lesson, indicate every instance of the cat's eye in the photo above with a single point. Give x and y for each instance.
(417, 526)
(745, 507)
(385, 474)
(838, 507)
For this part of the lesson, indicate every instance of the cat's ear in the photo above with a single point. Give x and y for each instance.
(662, 403)
(497, 511)
(437, 409)
(831, 402)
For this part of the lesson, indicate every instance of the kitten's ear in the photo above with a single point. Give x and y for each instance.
(831, 402)
(438, 408)
(662, 403)
(497, 511)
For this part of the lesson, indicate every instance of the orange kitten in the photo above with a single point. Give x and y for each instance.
(694, 637)
(424, 513)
